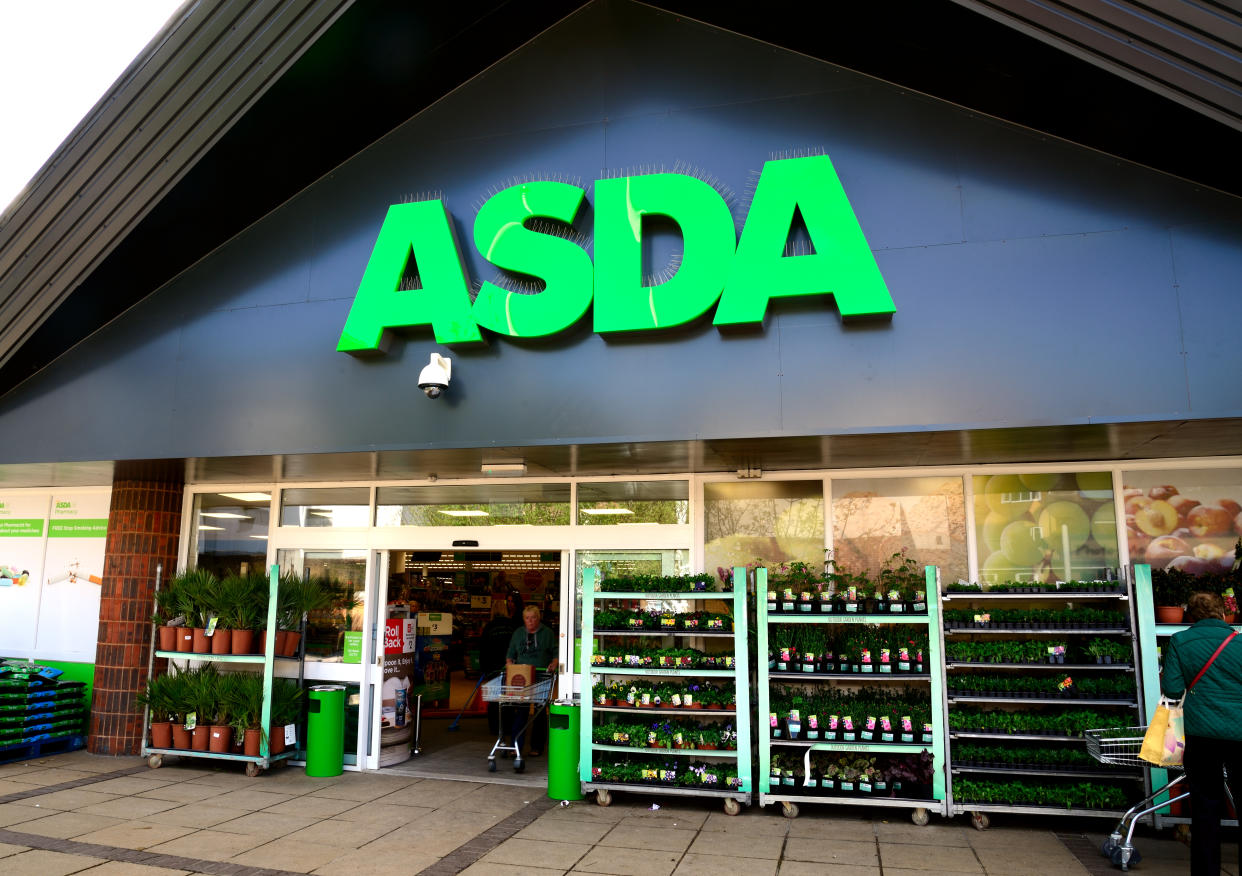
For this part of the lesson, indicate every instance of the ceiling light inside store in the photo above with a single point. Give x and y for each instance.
(203, 527)
(610, 511)
(508, 469)
(320, 512)
(466, 513)
(224, 515)
(264, 537)
(247, 497)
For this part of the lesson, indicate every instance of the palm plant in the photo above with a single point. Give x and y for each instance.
(192, 590)
(286, 702)
(202, 685)
(158, 696)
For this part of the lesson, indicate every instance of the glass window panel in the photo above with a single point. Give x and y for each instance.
(230, 532)
(336, 506)
(477, 505)
(771, 522)
(623, 563)
(618, 502)
(1045, 526)
(344, 573)
(1188, 519)
(874, 518)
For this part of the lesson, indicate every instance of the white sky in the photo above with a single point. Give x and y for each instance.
(57, 58)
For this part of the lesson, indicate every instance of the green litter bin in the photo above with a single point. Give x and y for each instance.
(325, 730)
(563, 751)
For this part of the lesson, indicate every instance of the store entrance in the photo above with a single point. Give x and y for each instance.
(448, 619)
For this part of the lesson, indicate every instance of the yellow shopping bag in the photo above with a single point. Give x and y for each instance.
(1164, 744)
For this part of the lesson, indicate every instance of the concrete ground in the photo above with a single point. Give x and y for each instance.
(77, 813)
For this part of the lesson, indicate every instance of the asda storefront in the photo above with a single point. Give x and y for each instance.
(764, 304)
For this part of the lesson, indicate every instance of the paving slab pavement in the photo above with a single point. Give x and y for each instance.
(76, 813)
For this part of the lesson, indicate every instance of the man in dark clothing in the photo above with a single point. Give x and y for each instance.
(493, 649)
(534, 644)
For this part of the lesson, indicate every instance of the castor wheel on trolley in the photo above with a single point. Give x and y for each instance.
(155, 761)
(731, 806)
(920, 817)
(603, 797)
(1106, 847)
(519, 765)
(789, 810)
(491, 764)
(980, 820)
(253, 769)
(1124, 857)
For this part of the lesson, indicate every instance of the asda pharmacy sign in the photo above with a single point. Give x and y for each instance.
(736, 276)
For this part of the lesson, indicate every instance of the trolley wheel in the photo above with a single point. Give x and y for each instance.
(980, 820)
(789, 810)
(920, 817)
(1106, 847)
(1124, 861)
(519, 765)
(491, 764)
(252, 769)
(603, 797)
(155, 761)
(731, 806)
(1181, 833)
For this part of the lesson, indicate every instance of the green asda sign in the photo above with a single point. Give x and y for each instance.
(738, 277)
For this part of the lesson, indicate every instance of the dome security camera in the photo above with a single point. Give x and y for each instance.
(434, 378)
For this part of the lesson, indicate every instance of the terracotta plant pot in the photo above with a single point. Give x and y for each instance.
(1231, 619)
(168, 638)
(276, 739)
(202, 738)
(201, 644)
(222, 641)
(180, 736)
(243, 642)
(1168, 614)
(253, 739)
(289, 646)
(185, 639)
(220, 737)
(161, 734)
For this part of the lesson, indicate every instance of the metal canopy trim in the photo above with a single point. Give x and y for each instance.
(188, 87)
(1188, 51)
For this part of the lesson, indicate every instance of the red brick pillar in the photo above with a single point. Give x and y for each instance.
(144, 525)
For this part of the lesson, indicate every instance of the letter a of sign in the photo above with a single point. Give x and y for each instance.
(841, 265)
(422, 229)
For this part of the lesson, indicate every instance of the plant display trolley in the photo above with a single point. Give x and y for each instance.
(792, 732)
(671, 721)
(1151, 636)
(1032, 667)
(266, 660)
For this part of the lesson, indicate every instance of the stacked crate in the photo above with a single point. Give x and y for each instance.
(39, 714)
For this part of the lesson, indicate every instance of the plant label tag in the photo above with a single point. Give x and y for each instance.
(291, 734)
(191, 720)
(787, 606)
(212, 620)
(907, 737)
(864, 787)
(886, 737)
(851, 606)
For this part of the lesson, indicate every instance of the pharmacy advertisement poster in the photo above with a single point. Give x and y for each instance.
(51, 571)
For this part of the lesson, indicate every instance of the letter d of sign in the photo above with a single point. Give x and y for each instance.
(622, 302)
(422, 230)
(842, 264)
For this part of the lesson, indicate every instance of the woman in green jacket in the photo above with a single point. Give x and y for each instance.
(1213, 712)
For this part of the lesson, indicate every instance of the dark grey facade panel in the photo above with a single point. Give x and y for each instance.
(1036, 283)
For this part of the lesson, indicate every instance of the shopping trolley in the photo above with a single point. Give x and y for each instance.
(1121, 746)
(536, 695)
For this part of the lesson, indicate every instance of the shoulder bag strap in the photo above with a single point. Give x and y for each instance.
(1228, 639)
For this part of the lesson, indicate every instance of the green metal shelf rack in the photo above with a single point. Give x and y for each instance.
(733, 798)
(155, 756)
(935, 677)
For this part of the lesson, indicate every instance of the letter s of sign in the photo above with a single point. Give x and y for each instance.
(503, 239)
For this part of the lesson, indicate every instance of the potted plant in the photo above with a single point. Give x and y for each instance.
(286, 709)
(190, 588)
(1170, 589)
(220, 732)
(165, 611)
(202, 695)
(247, 615)
(246, 711)
(158, 698)
(223, 599)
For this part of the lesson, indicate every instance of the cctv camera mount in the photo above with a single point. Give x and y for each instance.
(435, 376)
